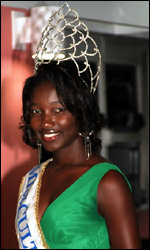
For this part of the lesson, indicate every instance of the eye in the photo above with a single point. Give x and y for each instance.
(59, 110)
(35, 111)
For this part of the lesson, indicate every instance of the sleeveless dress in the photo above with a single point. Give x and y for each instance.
(71, 221)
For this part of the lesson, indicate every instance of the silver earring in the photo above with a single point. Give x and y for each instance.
(87, 143)
(39, 151)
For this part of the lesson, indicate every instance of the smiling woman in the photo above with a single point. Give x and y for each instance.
(77, 199)
(59, 112)
(70, 96)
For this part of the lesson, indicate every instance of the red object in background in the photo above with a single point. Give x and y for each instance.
(17, 158)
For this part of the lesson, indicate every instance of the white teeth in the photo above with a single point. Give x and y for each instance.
(50, 135)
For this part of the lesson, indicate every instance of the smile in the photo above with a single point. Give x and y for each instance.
(50, 137)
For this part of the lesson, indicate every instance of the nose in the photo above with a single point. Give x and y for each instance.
(48, 122)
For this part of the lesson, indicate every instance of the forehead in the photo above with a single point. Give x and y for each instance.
(44, 90)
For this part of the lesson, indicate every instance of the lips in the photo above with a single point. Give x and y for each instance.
(50, 137)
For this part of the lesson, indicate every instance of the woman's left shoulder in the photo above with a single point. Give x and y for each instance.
(113, 191)
(113, 176)
(116, 204)
(114, 181)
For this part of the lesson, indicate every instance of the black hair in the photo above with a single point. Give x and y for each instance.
(72, 93)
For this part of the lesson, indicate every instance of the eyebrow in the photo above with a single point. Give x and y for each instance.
(35, 104)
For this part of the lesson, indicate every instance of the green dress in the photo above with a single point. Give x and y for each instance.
(72, 221)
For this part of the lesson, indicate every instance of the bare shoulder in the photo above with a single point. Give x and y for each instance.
(113, 188)
(115, 203)
(113, 180)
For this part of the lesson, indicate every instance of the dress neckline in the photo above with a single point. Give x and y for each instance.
(67, 189)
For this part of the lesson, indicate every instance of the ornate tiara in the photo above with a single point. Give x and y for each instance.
(79, 45)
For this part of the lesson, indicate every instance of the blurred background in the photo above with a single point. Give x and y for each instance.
(121, 31)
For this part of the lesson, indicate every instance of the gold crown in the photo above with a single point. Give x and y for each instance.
(55, 35)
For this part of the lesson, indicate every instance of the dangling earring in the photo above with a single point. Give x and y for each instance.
(87, 142)
(39, 151)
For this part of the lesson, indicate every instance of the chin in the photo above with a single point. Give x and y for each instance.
(52, 147)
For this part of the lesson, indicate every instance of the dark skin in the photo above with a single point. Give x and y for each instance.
(114, 198)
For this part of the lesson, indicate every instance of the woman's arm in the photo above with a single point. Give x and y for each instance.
(116, 204)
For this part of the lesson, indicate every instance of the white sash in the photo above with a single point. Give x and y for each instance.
(27, 224)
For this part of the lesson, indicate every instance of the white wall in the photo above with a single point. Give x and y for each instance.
(126, 12)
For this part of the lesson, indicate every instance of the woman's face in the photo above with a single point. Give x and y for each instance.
(52, 123)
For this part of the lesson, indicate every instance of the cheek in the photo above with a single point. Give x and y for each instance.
(69, 124)
(34, 123)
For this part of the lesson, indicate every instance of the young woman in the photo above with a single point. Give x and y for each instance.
(77, 199)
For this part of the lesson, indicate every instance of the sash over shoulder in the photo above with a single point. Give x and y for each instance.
(27, 224)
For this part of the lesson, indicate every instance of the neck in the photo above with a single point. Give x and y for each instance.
(73, 155)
